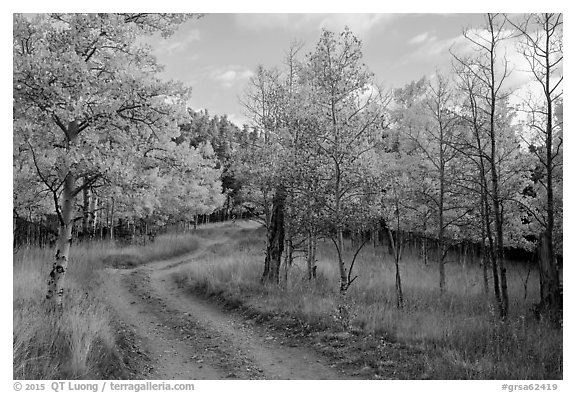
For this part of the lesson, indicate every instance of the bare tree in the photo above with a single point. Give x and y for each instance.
(490, 74)
(434, 140)
(475, 148)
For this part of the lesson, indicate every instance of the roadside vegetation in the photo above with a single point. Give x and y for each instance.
(80, 341)
(460, 333)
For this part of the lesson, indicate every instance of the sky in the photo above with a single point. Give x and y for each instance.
(217, 54)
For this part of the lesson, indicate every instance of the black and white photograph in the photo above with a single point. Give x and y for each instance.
(224, 196)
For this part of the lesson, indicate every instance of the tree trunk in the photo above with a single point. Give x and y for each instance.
(483, 254)
(311, 255)
(396, 246)
(550, 296)
(399, 295)
(500, 256)
(289, 258)
(440, 258)
(275, 244)
(112, 220)
(86, 202)
(93, 216)
(60, 266)
(341, 267)
(29, 230)
(314, 244)
(134, 232)
(492, 254)
(441, 269)
(496, 200)
(485, 283)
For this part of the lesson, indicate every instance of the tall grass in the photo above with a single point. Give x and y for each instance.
(76, 342)
(460, 330)
(80, 340)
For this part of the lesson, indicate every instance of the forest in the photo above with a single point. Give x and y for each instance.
(412, 232)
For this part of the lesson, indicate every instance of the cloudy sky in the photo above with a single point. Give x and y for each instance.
(218, 53)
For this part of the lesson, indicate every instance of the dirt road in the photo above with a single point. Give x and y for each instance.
(184, 337)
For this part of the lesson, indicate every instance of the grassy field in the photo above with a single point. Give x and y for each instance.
(459, 332)
(80, 341)
(457, 335)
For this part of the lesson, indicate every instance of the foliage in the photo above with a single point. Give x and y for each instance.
(88, 103)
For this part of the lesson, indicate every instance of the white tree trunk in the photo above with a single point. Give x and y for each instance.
(60, 266)
(93, 216)
(341, 266)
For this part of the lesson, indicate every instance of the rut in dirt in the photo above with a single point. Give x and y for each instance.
(185, 337)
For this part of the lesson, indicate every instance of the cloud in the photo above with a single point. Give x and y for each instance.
(430, 46)
(519, 78)
(230, 75)
(358, 23)
(178, 44)
(420, 38)
(239, 120)
(271, 21)
(433, 46)
(507, 51)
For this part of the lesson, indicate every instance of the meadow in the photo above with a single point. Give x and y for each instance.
(458, 335)
(459, 332)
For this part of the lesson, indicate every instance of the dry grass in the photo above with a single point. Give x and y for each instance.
(164, 247)
(460, 332)
(79, 341)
